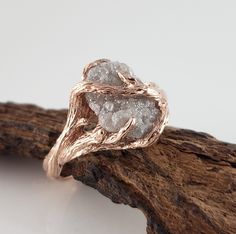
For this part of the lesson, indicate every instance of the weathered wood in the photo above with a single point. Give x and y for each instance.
(185, 183)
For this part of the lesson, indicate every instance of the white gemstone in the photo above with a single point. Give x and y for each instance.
(114, 111)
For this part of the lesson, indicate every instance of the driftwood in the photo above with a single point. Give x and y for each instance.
(185, 183)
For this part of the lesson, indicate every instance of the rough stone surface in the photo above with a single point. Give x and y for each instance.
(114, 111)
(106, 73)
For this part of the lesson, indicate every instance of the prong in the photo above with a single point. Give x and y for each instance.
(93, 64)
(115, 137)
(127, 79)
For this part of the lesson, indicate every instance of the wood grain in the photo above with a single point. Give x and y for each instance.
(185, 183)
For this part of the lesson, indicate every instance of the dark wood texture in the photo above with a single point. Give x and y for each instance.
(185, 183)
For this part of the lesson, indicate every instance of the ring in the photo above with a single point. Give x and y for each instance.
(110, 109)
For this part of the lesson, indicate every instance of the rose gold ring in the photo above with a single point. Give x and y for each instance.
(110, 109)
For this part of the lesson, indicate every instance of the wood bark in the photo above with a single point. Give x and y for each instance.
(185, 183)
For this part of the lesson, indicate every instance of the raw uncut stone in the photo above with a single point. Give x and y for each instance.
(114, 111)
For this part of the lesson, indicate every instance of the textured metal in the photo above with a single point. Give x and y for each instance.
(79, 138)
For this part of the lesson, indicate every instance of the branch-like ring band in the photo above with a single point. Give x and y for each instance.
(110, 109)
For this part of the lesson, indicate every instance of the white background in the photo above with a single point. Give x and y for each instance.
(187, 47)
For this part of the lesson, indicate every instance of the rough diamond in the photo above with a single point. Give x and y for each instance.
(114, 111)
